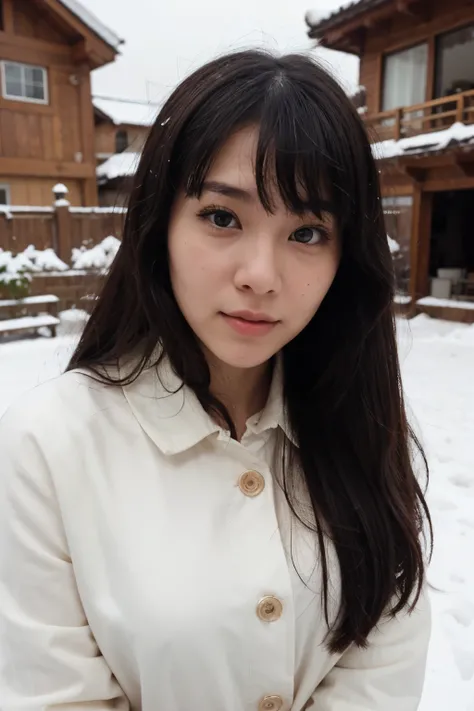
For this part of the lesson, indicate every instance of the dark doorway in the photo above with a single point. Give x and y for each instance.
(452, 238)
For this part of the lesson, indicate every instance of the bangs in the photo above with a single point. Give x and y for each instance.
(299, 154)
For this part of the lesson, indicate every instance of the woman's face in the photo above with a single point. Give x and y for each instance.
(246, 281)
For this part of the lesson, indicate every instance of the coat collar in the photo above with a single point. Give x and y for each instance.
(172, 416)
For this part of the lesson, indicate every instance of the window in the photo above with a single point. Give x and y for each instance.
(405, 78)
(4, 194)
(455, 62)
(2, 26)
(398, 212)
(24, 82)
(121, 141)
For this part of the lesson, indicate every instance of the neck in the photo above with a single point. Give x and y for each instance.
(242, 391)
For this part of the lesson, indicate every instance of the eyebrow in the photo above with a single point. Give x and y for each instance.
(215, 186)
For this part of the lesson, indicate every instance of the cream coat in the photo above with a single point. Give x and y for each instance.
(140, 570)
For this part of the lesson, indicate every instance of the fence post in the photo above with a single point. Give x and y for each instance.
(398, 124)
(460, 109)
(63, 223)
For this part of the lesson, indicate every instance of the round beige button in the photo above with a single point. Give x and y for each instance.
(251, 483)
(270, 703)
(269, 609)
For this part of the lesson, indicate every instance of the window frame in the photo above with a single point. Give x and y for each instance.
(24, 99)
(6, 188)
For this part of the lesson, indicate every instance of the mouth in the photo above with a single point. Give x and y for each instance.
(249, 323)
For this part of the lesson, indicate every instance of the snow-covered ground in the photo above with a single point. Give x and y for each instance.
(438, 369)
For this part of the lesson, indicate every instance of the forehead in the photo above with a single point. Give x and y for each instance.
(235, 161)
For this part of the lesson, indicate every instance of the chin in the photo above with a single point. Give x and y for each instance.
(242, 357)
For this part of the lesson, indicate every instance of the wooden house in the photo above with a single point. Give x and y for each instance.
(417, 77)
(121, 125)
(121, 129)
(48, 49)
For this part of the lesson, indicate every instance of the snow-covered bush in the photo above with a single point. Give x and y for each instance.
(43, 260)
(98, 258)
(14, 276)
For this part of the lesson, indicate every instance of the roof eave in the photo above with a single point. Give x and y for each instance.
(344, 30)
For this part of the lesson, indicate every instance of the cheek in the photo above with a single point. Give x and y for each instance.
(313, 285)
(195, 267)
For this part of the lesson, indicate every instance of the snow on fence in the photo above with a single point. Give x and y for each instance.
(59, 227)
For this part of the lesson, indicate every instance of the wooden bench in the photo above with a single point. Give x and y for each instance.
(29, 314)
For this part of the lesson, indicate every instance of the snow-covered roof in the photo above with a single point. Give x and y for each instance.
(456, 135)
(124, 111)
(325, 17)
(93, 22)
(120, 165)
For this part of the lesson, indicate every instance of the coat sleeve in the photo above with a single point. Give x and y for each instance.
(386, 676)
(48, 656)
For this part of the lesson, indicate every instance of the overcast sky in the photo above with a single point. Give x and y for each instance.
(166, 39)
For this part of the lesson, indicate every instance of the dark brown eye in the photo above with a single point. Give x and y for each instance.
(308, 235)
(222, 218)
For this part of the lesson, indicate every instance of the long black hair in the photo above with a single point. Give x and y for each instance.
(342, 385)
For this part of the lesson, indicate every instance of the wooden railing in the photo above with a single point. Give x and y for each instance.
(430, 116)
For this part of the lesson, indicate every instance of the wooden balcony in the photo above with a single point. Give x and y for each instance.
(430, 116)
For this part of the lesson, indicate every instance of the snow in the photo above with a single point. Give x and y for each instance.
(13, 267)
(30, 300)
(98, 210)
(450, 303)
(61, 202)
(31, 260)
(124, 112)
(402, 299)
(393, 245)
(99, 257)
(458, 133)
(72, 322)
(326, 9)
(9, 210)
(27, 322)
(93, 22)
(119, 165)
(29, 208)
(438, 370)
(44, 260)
(61, 189)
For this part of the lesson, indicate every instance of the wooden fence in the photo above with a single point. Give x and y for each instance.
(61, 227)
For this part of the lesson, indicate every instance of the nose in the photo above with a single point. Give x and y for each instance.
(258, 268)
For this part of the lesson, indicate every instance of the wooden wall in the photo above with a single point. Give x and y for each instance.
(403, 31)
(53, 142)
(105, 137)
(39, 191)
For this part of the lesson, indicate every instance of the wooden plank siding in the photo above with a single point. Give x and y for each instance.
(39, 191)
(42, 144)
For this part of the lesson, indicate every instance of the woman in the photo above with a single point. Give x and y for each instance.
(215, 507)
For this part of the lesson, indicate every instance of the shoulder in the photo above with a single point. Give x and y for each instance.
(56, 408)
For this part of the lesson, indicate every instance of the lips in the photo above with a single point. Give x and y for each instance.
(249, 323)
(252, 316)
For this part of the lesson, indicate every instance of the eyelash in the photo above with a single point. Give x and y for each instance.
(212, 209)
(206, 212)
